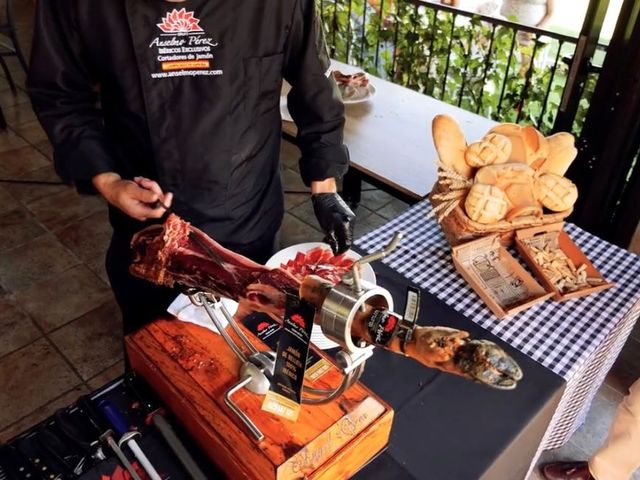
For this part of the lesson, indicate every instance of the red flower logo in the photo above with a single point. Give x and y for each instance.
(391, 324)
(298, 320)
(180, 21)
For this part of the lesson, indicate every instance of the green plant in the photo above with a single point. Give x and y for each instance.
(461, 60)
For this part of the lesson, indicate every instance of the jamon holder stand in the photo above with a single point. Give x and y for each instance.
(336, 317)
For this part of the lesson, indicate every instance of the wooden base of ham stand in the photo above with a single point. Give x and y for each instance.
(191, 368)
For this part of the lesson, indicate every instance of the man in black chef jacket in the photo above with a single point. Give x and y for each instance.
(188, 104)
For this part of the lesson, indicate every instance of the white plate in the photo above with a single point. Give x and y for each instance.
(370, 93)
(365, 97)
(289, 253)
(286, 254)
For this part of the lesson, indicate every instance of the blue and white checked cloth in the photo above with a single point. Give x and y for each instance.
(557, 335)
(578, 339)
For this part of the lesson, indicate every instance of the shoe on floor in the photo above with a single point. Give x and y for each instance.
(566, 471)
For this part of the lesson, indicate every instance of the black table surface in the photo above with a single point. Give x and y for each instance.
(449, 428)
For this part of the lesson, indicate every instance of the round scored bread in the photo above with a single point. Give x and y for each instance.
(486, 203)
(555, 192)
(450, 144)
(526, 145)
(492, 149)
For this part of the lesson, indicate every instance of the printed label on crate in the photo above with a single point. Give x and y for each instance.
(490, 267)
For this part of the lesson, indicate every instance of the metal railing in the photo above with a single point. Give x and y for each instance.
(497, 68)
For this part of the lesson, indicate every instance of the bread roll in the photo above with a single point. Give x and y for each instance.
(555, 192)
(516, 180)
(526, 144)
(486, 203)
(562, 152)
(542, 153)
(504, 174)
(492, 149)
(450, 144)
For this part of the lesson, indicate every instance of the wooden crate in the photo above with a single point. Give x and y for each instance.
(496, 280)
(191, 367)
(569, 248)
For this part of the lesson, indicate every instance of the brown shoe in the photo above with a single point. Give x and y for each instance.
(567, 471)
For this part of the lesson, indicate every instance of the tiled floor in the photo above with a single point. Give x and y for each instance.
(59, 325)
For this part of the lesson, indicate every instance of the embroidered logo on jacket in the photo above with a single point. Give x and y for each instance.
(178, 21)
(183, 49)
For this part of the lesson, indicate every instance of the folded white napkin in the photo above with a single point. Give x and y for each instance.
(184, 310)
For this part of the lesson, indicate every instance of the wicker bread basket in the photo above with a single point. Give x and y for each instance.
(458, 228)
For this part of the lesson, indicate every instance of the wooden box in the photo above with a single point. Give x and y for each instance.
(191, 367)
(502, 283)
(556, 236)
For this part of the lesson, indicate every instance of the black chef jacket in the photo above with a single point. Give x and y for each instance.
(188, 95)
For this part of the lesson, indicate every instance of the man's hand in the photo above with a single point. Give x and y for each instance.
(335, 217)
(135, 198)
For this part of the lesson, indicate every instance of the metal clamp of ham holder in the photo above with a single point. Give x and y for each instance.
(337, 313)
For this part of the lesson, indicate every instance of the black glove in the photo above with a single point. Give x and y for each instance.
(336, 219)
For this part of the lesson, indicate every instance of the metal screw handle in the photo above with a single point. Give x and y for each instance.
(255, 431)
(372, 257)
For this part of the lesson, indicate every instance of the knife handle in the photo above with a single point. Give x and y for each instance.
(16, 466)
(97, 422)
(114, 417)
(70, 429)
(69, 460)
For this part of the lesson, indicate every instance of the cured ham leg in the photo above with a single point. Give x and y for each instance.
(178, 255)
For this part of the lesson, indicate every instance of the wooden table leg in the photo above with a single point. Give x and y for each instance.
(352, 188)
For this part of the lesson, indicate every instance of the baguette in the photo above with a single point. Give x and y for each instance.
(450, 144)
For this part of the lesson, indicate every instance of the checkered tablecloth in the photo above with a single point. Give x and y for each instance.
(577, 339)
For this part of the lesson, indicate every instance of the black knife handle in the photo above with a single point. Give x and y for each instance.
(71, 461)
(18, 465)
(40, 459)
(83, 436)
(86, 405)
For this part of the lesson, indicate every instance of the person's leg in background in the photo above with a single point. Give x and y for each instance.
(618, 458)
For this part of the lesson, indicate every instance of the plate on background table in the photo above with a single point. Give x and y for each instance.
(362, 94)
(289, 253)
